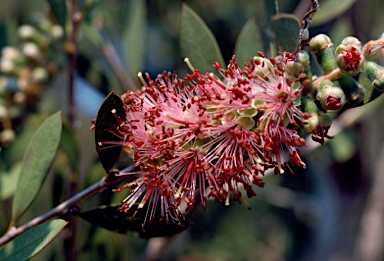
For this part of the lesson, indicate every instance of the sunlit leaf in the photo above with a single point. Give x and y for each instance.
(106, 120)
(38, 157)
(286, 28)
(59, 9)
(197, 41)
(8, 181)
(31, 242)
(329, 10)
(133, 35)
(110, 218)
(69, 145)
(248, 43)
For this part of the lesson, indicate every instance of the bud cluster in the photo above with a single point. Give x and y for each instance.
(24, 70)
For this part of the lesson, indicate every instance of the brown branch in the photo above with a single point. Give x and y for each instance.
(63, 207)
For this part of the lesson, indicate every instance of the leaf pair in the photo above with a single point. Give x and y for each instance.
(38, 158)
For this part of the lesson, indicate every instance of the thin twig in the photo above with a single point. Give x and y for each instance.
(76, 16)
(61, 209)
(116, 65)
(332, 76)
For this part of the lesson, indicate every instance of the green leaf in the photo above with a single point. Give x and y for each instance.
(271, 9)
(8, 181)
(69, 145)
(329, 10)
(31, 242)
(106, 121)
(38, 157)
(109, 217)
(59, 9)
(197, 41)
(286, 28)
(248, 43)
(133, 36)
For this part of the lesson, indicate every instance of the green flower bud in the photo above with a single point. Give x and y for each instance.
(296, 63)
(302, 57)
(308, 105)
(375, 73)
(349, 59)
(311, 123)
(331, 97)
(307, 81)
(321, 46)
(265, 66)
(294, 68)
(320, 42)
(351, 40)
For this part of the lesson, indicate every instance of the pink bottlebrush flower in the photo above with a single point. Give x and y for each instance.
(205, 137)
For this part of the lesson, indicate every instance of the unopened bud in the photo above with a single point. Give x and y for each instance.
(39, 74)
(321, 45)
(31, 51)
(308, 105)
(349, 59)
(11, 53)
(294, 68)
(353, 41)
(27, 33)
(264, 66)
(7, 136)
(331, 97)
(310, 123)
(57, 32)
(302, 57)
(3, 113)
(375, 73)
(20, 98)
(7, 66)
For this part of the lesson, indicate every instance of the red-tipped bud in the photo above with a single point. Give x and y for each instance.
(349, 59)
(331, 97)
